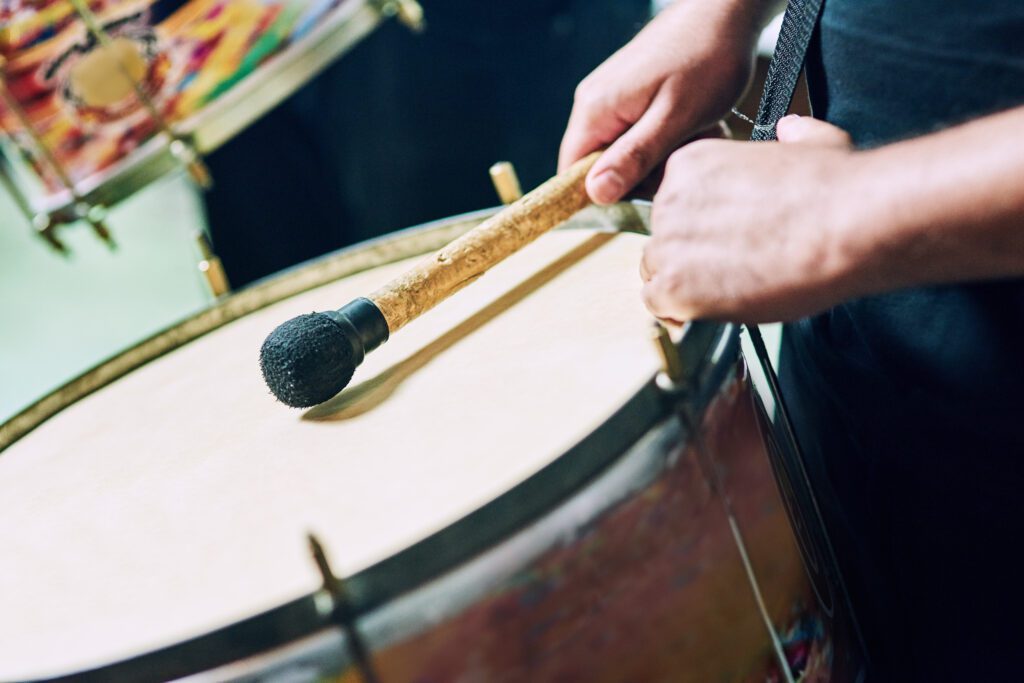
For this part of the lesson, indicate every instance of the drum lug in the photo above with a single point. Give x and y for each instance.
(188, 157)
(212, 268)
(670, 377)
(45, 228)
(409, 12)
(506, 182)
(341, 612)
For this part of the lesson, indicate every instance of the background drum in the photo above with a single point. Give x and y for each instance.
(104, 97)
(512, 490)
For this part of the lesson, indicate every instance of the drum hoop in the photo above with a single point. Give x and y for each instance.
(708, 351)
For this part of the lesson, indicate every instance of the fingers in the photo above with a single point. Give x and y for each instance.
(636, 153)
(658, 298)
(807, 130)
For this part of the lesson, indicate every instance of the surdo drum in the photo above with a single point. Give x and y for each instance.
(102, 97)
(511, 490)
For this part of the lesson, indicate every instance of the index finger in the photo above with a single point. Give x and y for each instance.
(586, 132)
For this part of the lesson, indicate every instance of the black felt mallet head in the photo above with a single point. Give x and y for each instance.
(309, 359)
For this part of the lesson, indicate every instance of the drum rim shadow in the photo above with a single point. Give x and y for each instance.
(372, 392)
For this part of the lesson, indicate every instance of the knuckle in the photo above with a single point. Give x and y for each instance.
(585, 92)
(701, 149)
(678, 161)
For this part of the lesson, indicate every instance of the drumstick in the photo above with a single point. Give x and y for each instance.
(309, 359)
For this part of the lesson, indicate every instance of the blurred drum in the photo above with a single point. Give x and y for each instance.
(105, 89)
(511, 488)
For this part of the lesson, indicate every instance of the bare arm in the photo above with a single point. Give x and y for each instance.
(948, 207)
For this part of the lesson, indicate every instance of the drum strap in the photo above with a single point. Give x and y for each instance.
(788, 61)
(798, 25)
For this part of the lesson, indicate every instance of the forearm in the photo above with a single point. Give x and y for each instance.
(947, 207)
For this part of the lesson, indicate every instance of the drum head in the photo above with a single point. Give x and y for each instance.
(177, 499)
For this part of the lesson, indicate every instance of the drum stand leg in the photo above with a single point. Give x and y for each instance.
(93, 215)
(341, 611)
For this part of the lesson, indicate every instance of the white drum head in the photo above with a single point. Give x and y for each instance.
(177, 499)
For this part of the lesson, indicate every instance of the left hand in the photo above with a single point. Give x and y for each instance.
(754, 232)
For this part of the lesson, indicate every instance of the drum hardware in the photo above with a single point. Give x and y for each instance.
(81, 210)
(709, 469)
(671, 374)
(409, 12)
(179, 148)
(506, 182)
(40, 222)
(211, 267)
(341, 610)
(309, 359)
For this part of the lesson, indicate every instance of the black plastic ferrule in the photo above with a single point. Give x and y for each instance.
(364, 324)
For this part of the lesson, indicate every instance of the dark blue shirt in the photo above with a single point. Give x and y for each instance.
(908, 404)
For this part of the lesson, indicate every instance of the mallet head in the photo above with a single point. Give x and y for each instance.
(309, 359)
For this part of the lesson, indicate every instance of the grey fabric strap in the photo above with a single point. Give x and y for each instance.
(788, 61)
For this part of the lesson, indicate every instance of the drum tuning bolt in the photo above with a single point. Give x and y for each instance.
(212, 268)
(409, 12)
(671, 375)
(45, 228)
(187, 155)
(506, 182)
(341, 610)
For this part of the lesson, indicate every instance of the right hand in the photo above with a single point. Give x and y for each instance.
(678, 77)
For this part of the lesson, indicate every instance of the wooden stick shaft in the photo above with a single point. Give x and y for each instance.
(470, 256)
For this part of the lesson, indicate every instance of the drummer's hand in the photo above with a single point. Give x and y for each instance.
(679, 76)
(753, 232)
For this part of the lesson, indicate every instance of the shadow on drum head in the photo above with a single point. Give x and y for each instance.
(361, 398)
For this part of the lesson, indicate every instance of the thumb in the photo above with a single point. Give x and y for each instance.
(811, 131)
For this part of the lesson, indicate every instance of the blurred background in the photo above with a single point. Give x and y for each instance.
(398, 131)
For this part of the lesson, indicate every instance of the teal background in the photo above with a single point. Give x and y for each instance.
(61, 315)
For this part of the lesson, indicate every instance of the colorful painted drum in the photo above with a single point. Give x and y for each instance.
(510, 488)
(205, 68)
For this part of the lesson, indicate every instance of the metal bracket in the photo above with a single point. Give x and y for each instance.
(409, 12)
(670, 377)
(341, 611)
(506, 182)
